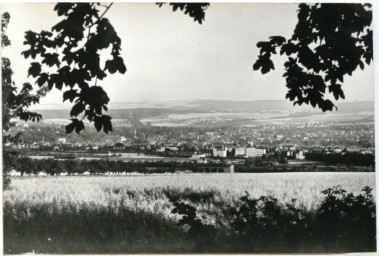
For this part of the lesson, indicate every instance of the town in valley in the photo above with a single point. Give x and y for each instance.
(258, 145)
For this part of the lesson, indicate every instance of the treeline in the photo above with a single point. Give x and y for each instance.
(353, 158)
(53, 167)
(302, 168)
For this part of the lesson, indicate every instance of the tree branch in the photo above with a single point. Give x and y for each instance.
(109, 6)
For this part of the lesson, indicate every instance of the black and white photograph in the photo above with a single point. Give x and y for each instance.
(188, 127)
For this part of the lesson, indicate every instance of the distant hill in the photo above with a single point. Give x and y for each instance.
(270, 105)
(151, 109)
(256, 105)
(356, 106)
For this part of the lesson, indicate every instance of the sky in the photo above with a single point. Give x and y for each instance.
(170, 57)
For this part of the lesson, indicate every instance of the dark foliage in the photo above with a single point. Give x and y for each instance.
(329, 42)
(96, 167)
(14, 104)
(194, 10)
(202, 235)
(346, 222)
(263, 225)
(78, 38)
(68, 164)
(348, 158)
(5, 41)
(342, 223)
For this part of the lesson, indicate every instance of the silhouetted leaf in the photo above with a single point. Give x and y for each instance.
(70, 95)
(63, 8)
(98, 123)
(79, 127)
(51, 59)
(55, 79)
(278, 40)
(70, 127)
(329, 41)
(30, 38)
(77, 109)
(107, 124)
(42, 79)
(34, 70)
(327, 105)
(194, 10)
(76, 125)
(26, 53)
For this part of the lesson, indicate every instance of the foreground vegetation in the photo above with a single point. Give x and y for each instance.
(191, 213)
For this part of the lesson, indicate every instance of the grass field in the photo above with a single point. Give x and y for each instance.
(149, 190)
(142, 205)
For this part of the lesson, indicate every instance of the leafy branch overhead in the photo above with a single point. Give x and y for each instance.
(329, 42)
(70, 58)
(194, 10)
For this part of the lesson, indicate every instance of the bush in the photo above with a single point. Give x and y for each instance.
(202, 235)
(342, 223)
(263, 225)
(345, 222)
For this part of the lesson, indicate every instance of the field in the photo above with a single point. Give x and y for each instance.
(136, 211)
(245, 118)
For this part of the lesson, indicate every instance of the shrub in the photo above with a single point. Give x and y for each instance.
(342, 223)
(263, 225)
(204, 236)
(345, 222)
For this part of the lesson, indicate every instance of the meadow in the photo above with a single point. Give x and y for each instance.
(119, 214)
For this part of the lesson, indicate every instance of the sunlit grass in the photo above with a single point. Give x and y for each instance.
(148, 192)
(80, 211)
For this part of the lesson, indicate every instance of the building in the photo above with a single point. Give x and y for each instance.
(255, 152)
(197, 156)
(219, 152)
(240, 152)
(200, 159)
(300, 155)
(62, 140)
(34, 146)
(291, 154)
